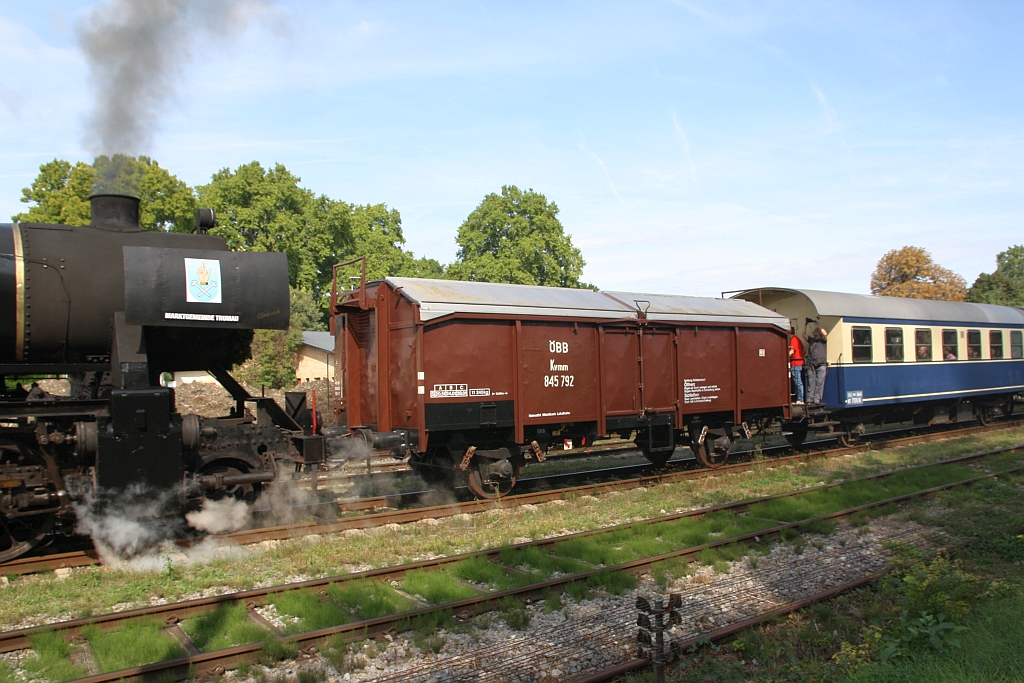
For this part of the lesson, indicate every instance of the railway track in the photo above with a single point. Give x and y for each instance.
(516, 575)
(402, 508)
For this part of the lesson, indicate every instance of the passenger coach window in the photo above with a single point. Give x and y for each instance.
(1016, 344)
(973, 344)
(995, 344)
(894, 343)
(949, 347)
(923, 342)
(862, 345)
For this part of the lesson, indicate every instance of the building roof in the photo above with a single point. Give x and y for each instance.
(842, 305)
(437, 298)
(319, 340)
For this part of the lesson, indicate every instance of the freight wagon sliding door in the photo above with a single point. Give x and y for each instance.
(658, 368)
(620, 373)
(638, 373)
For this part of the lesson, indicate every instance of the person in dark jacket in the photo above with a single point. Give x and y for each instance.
(816, 363)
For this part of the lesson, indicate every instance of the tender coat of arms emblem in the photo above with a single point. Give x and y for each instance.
(202, 281)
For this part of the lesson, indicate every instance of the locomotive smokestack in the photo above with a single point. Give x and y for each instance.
(118, 211)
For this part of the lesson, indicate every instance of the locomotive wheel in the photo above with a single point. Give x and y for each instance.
(244, 492)
(18, 535)
(707, 456)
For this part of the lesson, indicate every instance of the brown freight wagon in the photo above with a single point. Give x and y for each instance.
(478, 377)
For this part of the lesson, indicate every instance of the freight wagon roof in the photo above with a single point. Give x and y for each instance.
(863, 306)
(700, 309)
(437, 298)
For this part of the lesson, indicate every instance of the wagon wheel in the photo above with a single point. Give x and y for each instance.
(491, 490)
(707, 456)
(798, 434)
(985, 415)
(657, 458)
(846, 439)
(18, 535)
(432, 468)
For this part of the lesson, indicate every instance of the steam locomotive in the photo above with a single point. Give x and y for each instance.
(112, 307)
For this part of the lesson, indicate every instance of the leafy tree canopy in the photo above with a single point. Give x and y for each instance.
(377, 233)
(516, 237)
(60, 193)
(910, 272)
(1006, 285)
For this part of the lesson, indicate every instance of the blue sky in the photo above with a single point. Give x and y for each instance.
(692, 147)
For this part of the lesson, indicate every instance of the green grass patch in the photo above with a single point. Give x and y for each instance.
(577, 590)
(275, 650)
(552, 601)
(514, 613)
(136, 642)
(51, 661)
(369, 599)
(537, 559)
(591, 551)
(615, 583)
(667, 571)
(226, 626)
(491, 574)
(313, 611)
(437, 587)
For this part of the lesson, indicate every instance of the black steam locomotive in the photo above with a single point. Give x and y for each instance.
(112, 307)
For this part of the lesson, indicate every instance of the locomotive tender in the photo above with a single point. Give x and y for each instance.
(112, 307)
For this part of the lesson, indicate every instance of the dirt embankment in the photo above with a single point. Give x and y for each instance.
(213, 400)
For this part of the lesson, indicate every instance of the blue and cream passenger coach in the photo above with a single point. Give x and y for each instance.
(893, 359)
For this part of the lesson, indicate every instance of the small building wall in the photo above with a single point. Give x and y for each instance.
(313, 364)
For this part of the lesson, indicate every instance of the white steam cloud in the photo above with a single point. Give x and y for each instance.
(137, 49)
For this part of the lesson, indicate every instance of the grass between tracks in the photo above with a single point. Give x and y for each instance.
(34, 599)
(956, 616)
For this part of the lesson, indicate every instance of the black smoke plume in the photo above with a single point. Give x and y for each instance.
(137, 51)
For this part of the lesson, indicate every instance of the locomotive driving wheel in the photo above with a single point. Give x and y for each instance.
(21, 533)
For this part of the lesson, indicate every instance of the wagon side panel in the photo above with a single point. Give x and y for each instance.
(558, 372)
(468, 368)
(707, 369)
(763, 366)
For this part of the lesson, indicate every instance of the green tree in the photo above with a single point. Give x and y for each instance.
(274, 358)
(60, 193)
(910, 272)
(516, 237)
(377, 234)
(266, 210)
(1005, 286)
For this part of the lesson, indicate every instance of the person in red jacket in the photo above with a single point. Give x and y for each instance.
(796, 365)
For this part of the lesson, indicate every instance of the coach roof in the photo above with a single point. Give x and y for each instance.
(437, 298)
(863, 306)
